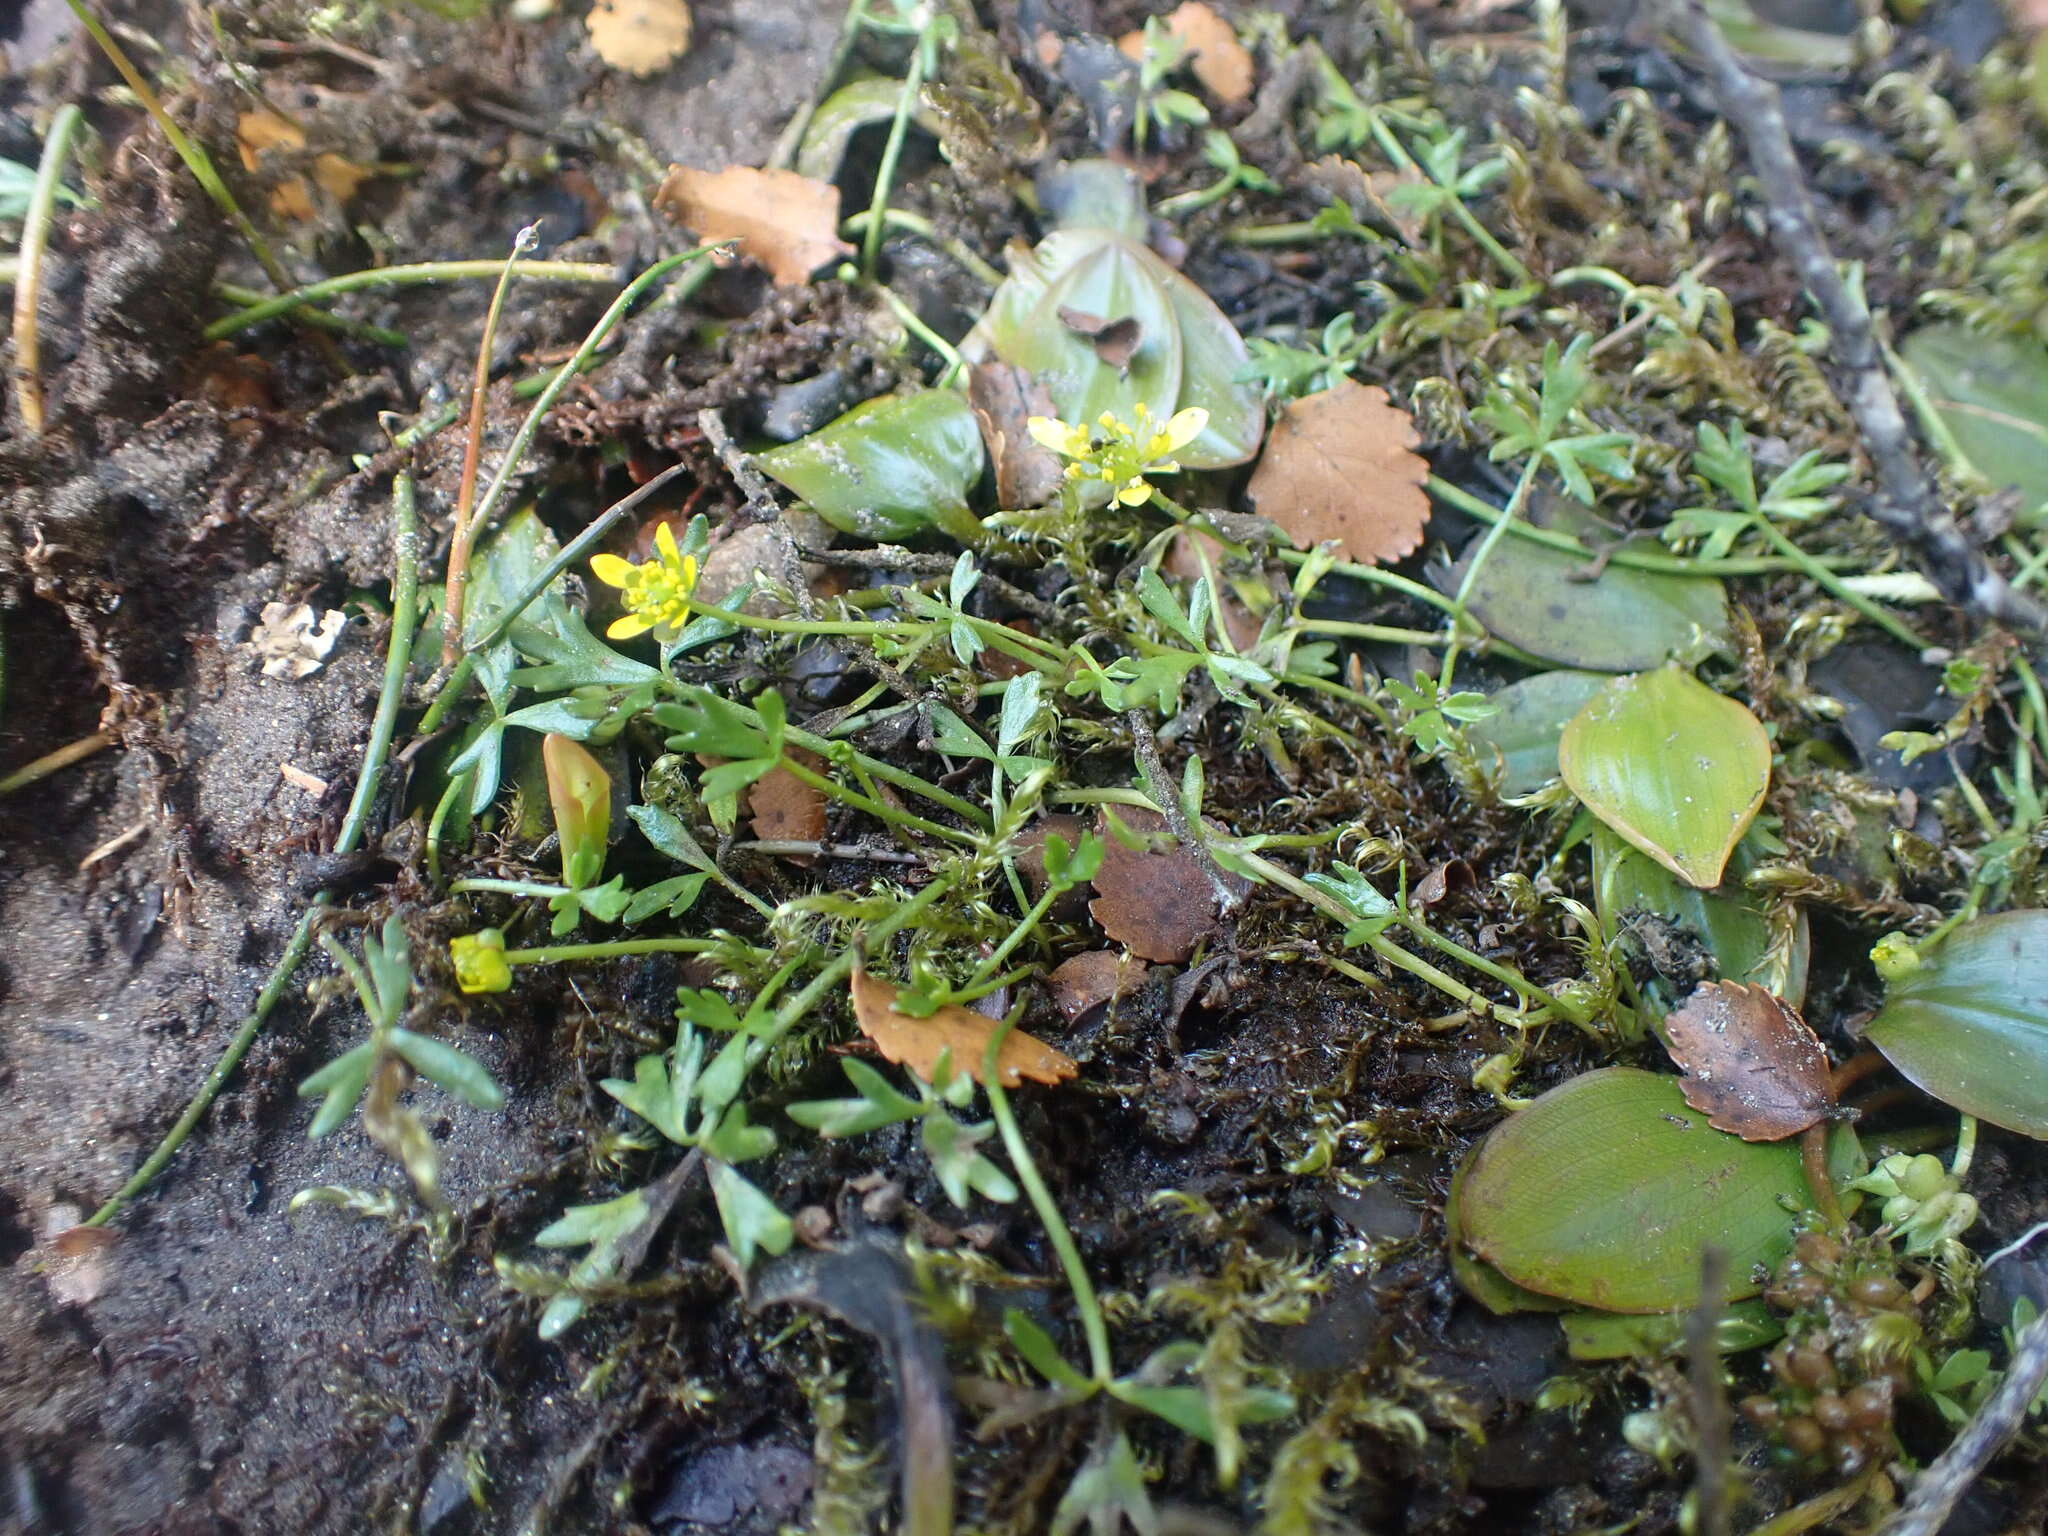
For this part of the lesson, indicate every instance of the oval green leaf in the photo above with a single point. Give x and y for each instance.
(1991, 392)
(1527, 719)
(1671, 765)
(889, 468)
(1188, 353)
(1970, 1025)
(1603, 1192)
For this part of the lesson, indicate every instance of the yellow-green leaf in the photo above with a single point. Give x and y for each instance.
(1674, 767)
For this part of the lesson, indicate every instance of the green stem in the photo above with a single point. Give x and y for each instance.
(533, 888)
(1966, 1147)
(924, 229)
(873, 807)
(1299, 232)
(1383, 632)
(1390, 142)
(55, 762)
(1093, 1328)
(908, 319)
(1871, 610)
(398, 658)
(400, 277)
(320, 319)
(842, 965)
(892, 151)
(1524, 483)
(1669, 565)
(35, 237)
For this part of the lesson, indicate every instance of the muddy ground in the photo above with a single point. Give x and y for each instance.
(242, 1369)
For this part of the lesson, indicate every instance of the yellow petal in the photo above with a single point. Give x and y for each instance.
(1048, 433)
(1135, 493)
(1185, 427)
(665, 545)
(611, 570)
(627, 626)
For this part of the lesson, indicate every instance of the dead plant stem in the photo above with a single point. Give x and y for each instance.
(28, 287)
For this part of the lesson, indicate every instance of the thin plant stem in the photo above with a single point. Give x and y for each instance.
(1966, 1147)
(1891, 624)
(55, 762)
(1396, 151)
(398, 658)
(1509, 516)
(1093, 1328)
(909, 320)
(199, 163)
(401, 277)
(463, 536)
(874, 807)
(35, 239)
(325, 320)
(613, 949)
(924, 229)
(892, 151)
(1669, 565)
(1813, 1157)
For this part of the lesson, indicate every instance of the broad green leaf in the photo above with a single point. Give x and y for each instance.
(1991, 393)
(1603, 1192)
(1733, 924)
(1477, 1278)
(845, 112)
(1622, 1336)
(1188, 353)
(890, 468)
(1624, 620)
(1527, 719)
(1674, 767)
(1969, 1024)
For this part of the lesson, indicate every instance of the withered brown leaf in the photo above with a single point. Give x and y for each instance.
(1004, 398)
(1156, 901)
(1752, 1065)
(786, 222)
(639, 36)
(916, 1043)
(1215, 55)
(1116, 342)
(1088, 980)
(1340, 464)
(784, 808)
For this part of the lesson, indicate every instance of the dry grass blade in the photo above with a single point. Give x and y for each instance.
(1752, 1065)
(917, 1043)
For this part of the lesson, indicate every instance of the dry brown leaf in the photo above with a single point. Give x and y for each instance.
(784, 808)
(1340, 464)
(1099, 976)
(1365, 193)
(73, 1257)
(1752, 1066)
(1116, 342)
(1005, 397)
(639, 36)
(1157, 901)
(786, 222)
(1218, 59)
(915, 1043)
(263, 130)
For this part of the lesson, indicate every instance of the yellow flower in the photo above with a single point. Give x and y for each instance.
(656, 593)
(480, 961)
(1119, 454)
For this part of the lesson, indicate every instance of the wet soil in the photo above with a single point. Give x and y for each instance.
(243, 1369)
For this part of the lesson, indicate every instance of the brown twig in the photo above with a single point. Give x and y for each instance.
(1813, 1157)
(52, 762)
(463, 537)
(1906, 504)
(1937, 1489)
(1709, 1399)
(1145, 747)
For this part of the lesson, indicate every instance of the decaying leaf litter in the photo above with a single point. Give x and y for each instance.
(1321, 897)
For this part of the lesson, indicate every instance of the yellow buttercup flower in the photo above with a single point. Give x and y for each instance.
(1119, 454)
(480, 964)
(656, 593)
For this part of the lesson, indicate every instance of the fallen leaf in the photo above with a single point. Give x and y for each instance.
(1215, 55)
(1365, 192)
(72, 1257)
(1157, 903)
(261, 130)
(339, 176)
(786, 222)
(639, 36)
(1340, 464)
(915, 1043)
(1004, 397)
(1752, 1065)
(1218, 59)
(1116, 342)
(784, 808)
(1092, 979)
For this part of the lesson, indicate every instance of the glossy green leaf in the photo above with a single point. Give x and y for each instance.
(889, 468)
(1969, 1024)
(1991, 392)
(1477, 1278)
(1625, 1336)
(1188, 352)
(1625, 620)
(1604, 1191)
(1676, 768)
(1733, 924)
(1527, 719)
(862, 104)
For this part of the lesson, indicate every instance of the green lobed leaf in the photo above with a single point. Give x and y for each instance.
(455, 1070)
(1676, 768)
(1604, 1191)
(752, 1221)
(1969, 1024)
(890, 468)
